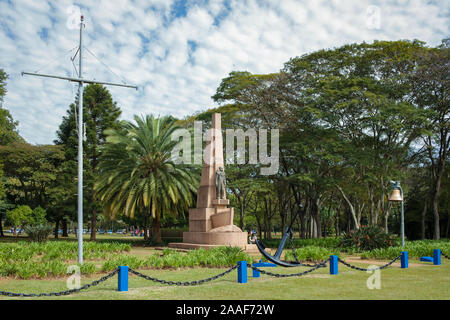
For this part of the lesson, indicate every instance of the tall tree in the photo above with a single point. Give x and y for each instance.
(431, 88)
(137, 173)
(100, 112)
(8, 127)
(30, 172)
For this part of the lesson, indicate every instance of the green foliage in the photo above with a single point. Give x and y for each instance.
(38, 216)
(43, 259)
(32, 173)
(38, 232)
(24, 216)
(311, 253)
(214, 257)
(329, 242)
(100, 112)
(138, 174)
(2, 186)
(20, 215)
(367, 238)
(416, 249)
(8, 127)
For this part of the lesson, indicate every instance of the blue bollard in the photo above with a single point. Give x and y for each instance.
(123, 279)
(256, 273)
(242, 272)
(437, 257)
(333, 264)
(404, 259)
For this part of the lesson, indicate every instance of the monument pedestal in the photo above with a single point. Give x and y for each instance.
(211, 223)
(213, 227)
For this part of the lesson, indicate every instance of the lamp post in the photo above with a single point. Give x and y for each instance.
(397, 196)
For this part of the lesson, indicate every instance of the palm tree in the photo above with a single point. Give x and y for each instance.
(138, 174)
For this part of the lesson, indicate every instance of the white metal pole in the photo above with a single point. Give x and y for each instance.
(80, 150)
(81, 81)
(402, 224)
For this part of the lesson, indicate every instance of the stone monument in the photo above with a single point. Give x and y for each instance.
(211, 223)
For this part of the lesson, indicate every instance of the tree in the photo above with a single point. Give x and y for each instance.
(137, 174)
(100, 112)
(8, 127)
(348, 124)
(431, 89)
(2, 195)
(19, 216)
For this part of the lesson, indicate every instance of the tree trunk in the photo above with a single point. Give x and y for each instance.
(437, 231)
(93, 219)
(448, 225)
(56, 229)
(156, 229)
(352, 208)
(64, 226)
(1, 225)
(145, 228)
(386, 219)
(315, 212)
(241, 215)
(359, 213)
(422, 221)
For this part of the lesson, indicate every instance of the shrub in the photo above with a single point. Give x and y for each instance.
(367, 238)
(415, 249)
(38, 233)
(310, 253)
(329, 242)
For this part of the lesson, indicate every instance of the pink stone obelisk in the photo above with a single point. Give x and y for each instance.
(211, 223)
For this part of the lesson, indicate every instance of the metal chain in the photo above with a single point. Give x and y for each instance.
(178, 283)
(364, 269)
(280, 275)
(61, 293)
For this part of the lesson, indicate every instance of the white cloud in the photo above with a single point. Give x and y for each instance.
(179, 58)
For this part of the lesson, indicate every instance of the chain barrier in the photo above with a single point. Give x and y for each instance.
(366, 269)
(60, 293)
(178, 283)
(196, 282)
(299, 274)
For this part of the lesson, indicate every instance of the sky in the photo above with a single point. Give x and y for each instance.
(178, 51)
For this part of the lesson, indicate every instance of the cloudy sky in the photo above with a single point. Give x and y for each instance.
(177, 52)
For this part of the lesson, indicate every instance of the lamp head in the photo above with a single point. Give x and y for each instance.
(395, 184)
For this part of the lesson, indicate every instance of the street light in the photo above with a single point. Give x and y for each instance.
(397, 196)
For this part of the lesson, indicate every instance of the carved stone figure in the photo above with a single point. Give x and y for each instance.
(220, 183)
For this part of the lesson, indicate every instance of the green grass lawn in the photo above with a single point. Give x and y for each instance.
(422, 281)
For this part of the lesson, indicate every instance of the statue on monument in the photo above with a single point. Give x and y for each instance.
(220, 183)
(211, 222)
